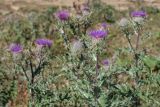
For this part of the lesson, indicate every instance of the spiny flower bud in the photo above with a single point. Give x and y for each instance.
(123, 22)
(76, 47)
(138, 20)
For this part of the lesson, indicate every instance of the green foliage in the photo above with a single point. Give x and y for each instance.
(152, 10)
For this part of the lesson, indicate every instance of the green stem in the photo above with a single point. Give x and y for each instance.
(96, 97)
(129, 41)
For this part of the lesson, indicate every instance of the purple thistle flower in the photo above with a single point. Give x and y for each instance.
(98, 34)
(15, 48)
(138, 14)
(62, 15)
(85, 7)
(43, 42)
(104, 25)
(105, 62)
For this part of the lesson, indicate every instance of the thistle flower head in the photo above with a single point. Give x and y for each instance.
(104, 25)
(105, 62)
(62, 15)
(98, 34)
(85, 7)
(15, 48)
(43, 42)
(139, 14)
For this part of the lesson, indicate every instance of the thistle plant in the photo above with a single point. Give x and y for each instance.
(27, 66)
(133, 28)
(63, 17)
(83, 66)
(83, 71)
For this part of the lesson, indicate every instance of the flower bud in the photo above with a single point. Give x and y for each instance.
(76, 47)
(123, 22)
(105, 64)
(138, 20)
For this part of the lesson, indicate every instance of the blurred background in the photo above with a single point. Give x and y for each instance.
(7, 6)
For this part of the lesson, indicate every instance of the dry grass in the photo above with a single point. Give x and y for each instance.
(7, 6)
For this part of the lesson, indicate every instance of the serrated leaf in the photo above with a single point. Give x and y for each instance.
(102, 100)
(122, 88)
(150, 61)
(94, 57)
(123, 62)
(84, 93)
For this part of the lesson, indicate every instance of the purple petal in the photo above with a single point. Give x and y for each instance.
(15, 48)
(104, 25)
(44, 42)
(62, 15)
(105, 62)
(98, 33)
(138, 14)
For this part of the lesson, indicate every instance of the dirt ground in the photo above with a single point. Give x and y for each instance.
(9, 6)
